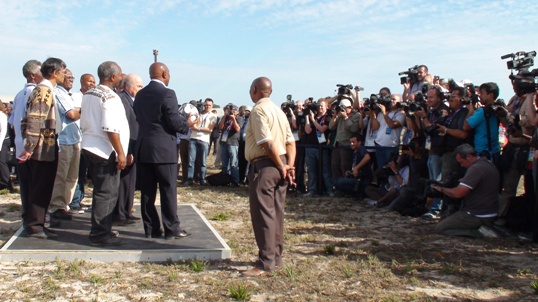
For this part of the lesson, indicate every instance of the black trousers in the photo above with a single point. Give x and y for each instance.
(242, 161)
(126, 193)
(40, 185)
(165, 176)
(5, 175)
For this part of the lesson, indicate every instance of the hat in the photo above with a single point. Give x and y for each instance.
(248, 108)
(234, 107)
(345, 102)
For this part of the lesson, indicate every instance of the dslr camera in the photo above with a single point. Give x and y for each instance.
(311, 108)
(376, 99)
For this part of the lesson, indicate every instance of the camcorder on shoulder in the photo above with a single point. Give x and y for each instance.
(411, 75)
(525, 81)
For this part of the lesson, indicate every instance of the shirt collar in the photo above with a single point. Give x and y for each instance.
(47, 83)
(262, 100)
(158, 81)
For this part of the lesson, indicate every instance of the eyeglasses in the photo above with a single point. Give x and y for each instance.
(70, 78)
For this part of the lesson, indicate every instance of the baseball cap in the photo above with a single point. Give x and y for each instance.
(345, 102)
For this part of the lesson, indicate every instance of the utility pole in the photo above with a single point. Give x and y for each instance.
(155, 54)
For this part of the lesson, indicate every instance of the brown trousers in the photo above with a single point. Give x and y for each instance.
(267, 195)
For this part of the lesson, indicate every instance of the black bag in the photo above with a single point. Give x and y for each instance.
(219, 179)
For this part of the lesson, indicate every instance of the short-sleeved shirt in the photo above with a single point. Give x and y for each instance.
(477, 121)
(366, 170)
(102, 111)
(266, 122)
(482, 178)
(206, 120)
(386, 136)
(345, 129)
(232, 136)
(70, 133)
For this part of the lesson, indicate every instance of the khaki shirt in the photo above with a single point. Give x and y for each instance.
(266, 122)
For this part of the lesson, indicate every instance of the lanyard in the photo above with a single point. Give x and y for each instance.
(449, 120)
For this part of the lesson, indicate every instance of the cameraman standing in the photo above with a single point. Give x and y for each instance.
(411, 88)
(519, 119)
(230, 127)
(434, 141)
(316, 128)
(346, 123)
(388, 124)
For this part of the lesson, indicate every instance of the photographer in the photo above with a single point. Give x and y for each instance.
(388, 124)
(346, 123)
(485, 123)
(479, 189)
(519, 118)
(230, 127)
(360, 174)
(415, 82)
(393, 176)
(434, 140)
(317, 158)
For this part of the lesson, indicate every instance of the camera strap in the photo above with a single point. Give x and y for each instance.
(490, 146)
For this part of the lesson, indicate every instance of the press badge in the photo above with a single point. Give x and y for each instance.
(224, 137)
(321, 137)
(428, 143)
(296, 135)
(388, 131)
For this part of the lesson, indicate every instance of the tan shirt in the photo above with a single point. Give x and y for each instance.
(267, 122)
(527, 111)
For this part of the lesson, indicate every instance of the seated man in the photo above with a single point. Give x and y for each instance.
(391, 177)
(361, 170)
(479, 189)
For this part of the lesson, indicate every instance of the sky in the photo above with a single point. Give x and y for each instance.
(216, 48)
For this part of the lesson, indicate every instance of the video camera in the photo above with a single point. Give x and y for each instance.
(311, 108)
(450, 182)
(375, 100)
(411, 75)
(525, 80)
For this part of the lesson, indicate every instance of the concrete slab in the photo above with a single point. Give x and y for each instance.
(73, 243)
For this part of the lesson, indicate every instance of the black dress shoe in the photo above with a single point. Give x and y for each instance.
(134, 218)
(181, 234)
(158, 234)
(123, 222)
(61, 214)
(110, 241)
(45, 234)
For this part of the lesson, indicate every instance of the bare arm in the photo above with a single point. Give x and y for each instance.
(116, 144)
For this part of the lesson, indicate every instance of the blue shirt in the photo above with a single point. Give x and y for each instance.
(477, 121)
(70, 133)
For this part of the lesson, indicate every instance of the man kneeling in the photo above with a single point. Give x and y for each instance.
(479, 189)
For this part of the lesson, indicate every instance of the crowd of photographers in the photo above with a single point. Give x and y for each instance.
(436, 151)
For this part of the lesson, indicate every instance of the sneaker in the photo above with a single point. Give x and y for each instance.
(486, 232)
(370, 202)
(308, 194)
(430, 216)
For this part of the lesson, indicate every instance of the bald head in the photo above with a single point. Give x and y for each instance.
(260, 88)
(132, 84)
(159, 71)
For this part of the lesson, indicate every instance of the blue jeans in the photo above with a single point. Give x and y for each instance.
(197, 148)
(313, 162)
(106, 181)
(350, 186)
(230, 160)
(435, 169)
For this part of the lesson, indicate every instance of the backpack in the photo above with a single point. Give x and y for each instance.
(219, 179)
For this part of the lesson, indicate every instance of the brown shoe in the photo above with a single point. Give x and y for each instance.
(255, 272)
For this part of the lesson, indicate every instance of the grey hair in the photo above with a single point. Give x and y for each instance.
(31, 67)
(464, 150)
(107, 69)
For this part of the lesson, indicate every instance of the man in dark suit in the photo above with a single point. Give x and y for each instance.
(156, 110)
(130, 85)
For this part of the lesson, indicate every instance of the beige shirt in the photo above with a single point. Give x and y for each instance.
(267, 122)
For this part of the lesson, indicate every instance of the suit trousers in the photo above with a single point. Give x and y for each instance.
(126, 193)
(267, 196)
(165, 176)
(66, 177)
(40, 184)
(242, 161)
(106, 181)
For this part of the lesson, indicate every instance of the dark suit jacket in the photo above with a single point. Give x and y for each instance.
(131, 118)
(159, 120)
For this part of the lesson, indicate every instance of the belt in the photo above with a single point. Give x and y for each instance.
(257, 159)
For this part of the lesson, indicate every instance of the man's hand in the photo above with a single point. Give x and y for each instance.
(342, 114)
(24, 156)
(383, 109)
(393, 166)
(420, 113)
(355, 171)
(406, 85)
(130, 159)
(122, 162)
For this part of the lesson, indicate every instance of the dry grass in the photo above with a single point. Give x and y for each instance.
(336, 250)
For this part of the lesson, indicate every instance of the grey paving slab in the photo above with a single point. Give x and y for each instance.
(73, 242)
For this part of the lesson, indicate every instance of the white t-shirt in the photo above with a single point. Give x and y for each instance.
(102, 112)
(386, 136)
(207, 119)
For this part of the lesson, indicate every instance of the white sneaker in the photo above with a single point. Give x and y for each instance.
(370, 202)
(487, 232)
